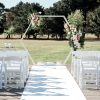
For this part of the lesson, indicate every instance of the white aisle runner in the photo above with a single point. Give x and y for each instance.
(51, 82)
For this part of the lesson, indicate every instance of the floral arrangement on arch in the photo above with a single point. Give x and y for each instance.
(74, 36)
(35, 20)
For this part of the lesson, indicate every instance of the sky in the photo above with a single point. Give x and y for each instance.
(44, 3)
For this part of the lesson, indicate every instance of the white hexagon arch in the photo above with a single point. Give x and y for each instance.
(46, 16)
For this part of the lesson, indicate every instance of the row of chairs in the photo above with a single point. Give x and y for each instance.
(86, 70)
(13, 70)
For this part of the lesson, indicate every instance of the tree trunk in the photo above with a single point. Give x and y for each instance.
(56, 36)
(8, 36)
(34, 36)
(48, 36)
(61, 36)
(21, 36)
(28, 36)
(84, 28)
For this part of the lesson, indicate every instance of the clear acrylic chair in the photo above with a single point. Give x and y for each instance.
(23, 54)
(75, 67)
(14, 76)
(89, 72)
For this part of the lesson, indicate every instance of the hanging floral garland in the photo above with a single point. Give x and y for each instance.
(74, 36)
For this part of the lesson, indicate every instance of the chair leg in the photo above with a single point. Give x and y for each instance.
(5, 80)
(0, 83)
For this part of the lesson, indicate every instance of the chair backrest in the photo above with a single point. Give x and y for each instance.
(13, 58)
(86, 53)
(90, 60)
(20, 53)
(1, 58)
(12, 62)
(90, 64)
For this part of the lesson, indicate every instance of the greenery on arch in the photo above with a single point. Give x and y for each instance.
(74, 30)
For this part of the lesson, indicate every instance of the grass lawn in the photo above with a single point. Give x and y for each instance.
(92, 46)
(49, 50)
(43, 50)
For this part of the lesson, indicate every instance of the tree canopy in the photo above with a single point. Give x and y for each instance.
(17, 17)
(93, 22)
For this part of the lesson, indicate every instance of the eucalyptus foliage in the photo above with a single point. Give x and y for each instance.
(74, 30)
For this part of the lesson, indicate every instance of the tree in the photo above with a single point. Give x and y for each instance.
(59, 8)
(45, 26)
(1, 8)
(93, 22)
(62, 7)
(9, 23)
(1, 18)
(10, 31)
(22, 12)
(76, 18)
(52, 26)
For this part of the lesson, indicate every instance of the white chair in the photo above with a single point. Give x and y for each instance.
(23, 54)
(75, 67)
(14, 72)
(89, 72)
(1, 67)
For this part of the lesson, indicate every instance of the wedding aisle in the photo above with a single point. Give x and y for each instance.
(51, 82)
